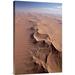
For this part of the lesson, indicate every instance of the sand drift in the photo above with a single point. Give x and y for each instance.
(38, 44)
(46, 56)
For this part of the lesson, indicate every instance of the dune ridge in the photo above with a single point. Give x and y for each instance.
(32, 55)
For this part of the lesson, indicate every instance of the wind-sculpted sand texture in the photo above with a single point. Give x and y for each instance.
(32, 55)
(50, 61)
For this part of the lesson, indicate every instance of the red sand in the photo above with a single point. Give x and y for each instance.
(23, 62)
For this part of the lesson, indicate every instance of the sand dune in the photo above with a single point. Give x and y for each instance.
(25, 24)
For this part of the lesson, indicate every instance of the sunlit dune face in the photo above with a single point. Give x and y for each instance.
(38, 28)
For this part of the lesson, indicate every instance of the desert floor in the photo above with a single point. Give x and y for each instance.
(23, 62)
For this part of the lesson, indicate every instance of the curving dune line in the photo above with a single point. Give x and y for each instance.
(50, 33)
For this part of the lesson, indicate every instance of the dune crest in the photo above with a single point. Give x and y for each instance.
(34, 36)
(47, 57)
